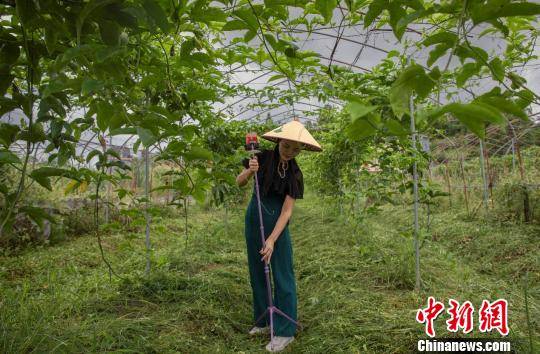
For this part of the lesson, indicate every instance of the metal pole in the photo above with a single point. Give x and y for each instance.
(108, 197)
(415, 196)
(513, 146)
(266, 267)
(357, 192)
(483, 172)
(513, 155)
(146, 214)
(465, 195)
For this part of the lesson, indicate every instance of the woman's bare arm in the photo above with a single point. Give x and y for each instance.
(243, 177)
(247, 173)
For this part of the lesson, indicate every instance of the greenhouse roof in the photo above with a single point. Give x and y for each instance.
(341, 42)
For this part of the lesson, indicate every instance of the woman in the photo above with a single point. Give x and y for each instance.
(281, 183)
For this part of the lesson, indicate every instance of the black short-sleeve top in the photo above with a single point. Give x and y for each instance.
(270, 182)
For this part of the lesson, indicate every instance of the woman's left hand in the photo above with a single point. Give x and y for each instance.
(267, 250)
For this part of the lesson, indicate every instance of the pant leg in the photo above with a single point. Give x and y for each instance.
(284, 285)
(282, 267)
(256, 267)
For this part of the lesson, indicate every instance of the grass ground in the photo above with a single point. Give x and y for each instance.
(355, 288)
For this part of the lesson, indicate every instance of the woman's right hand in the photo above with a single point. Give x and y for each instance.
(253, 164)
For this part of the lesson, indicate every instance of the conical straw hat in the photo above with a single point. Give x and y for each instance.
(295, 131)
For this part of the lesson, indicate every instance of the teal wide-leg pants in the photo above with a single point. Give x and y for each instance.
(281, 264)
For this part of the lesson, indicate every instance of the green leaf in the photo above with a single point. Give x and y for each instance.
(402, 23)
(497, 69)
(43, 181)
(53, 87)
(414, 4)
(499, 25)
(86, 11)
(162, 188)
(495, 115)
(441, 37)
(246, 15)
(113, 153)
(124, 16)
(519, 9)
(156, 14)
(374, 10)
(5, 191)
(136, 146)
(93, 153)
(9, 51)
(71, 186)
(525, 98)
(235, 25)
(290, 52)
(360, 128)
(413, 78)
(276, 77)
(118, 163)
(7, 105)
(121, 193)
(249, 35)
(105, 53)
(396, 14)
(118, 118)
(48, 171)
(326, 8)
(7, 156)
(198, 153)
(42, 175)
(306, 54)
(395, 128)
(197, 93)
(51, 38)
(8, 134)
(104, 114)
(495, 9)
(468, 70)
(472, 115)
(182, 185)
(436, 53)
(110, 32)
(517, 81)
(476, 53)
(5, 82)
(126, 130)
(275, 3)
(435, 74)
(147, 137)
(358, 110)
(91, 86)
(189, 131)
(34, 134)
(199, 194)
(504, 105)
(51, 103)
(26, 11)
(187, 47)
(208, 14)
(272, 41)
